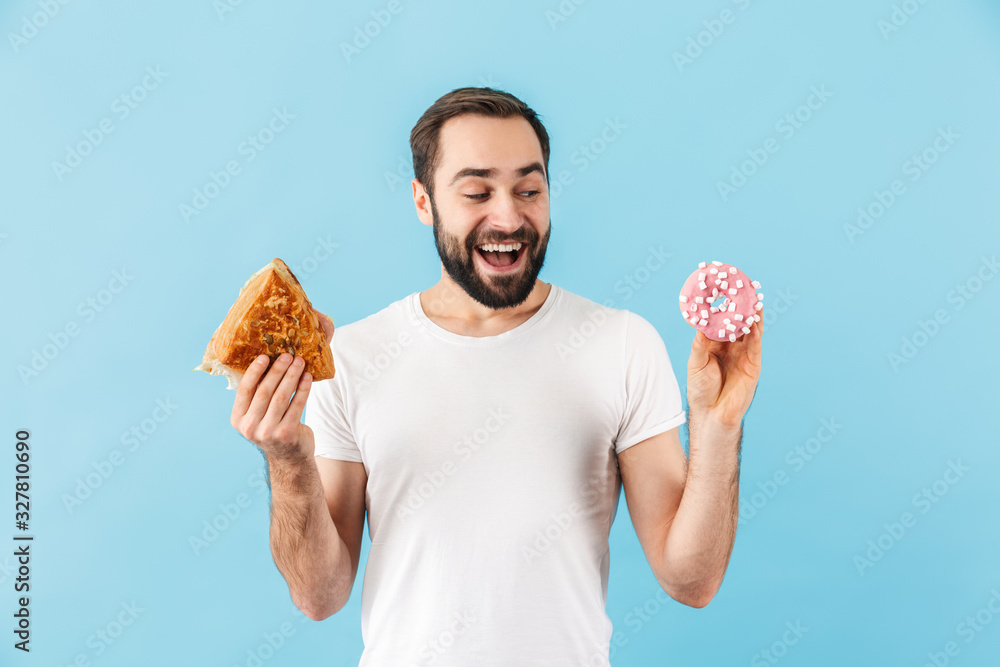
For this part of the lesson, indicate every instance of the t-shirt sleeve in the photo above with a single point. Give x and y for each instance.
(652, 396)
(326, 415)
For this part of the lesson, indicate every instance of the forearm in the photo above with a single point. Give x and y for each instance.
(305, 544)
(700, 539)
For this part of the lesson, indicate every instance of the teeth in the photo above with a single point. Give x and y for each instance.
(500, 247)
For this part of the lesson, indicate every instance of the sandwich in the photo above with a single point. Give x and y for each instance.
(272, 315)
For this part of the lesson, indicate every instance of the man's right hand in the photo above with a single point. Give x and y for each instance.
(267, 414)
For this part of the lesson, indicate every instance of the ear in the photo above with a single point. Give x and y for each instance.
(423, 203)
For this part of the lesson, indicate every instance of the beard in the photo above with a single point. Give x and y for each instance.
(500, 290)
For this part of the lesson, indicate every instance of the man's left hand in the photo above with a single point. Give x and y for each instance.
(722, 376)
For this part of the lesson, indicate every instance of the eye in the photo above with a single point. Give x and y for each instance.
(530, 193)
(478, 196)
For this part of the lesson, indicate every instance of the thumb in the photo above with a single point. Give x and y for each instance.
(699, 352)
(327, 323)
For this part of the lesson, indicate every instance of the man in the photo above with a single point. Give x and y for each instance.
(487, 426)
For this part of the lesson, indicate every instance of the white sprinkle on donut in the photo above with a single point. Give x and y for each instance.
(683, 299)
(702, 285)
(746, 329)
(699, 299)
(756, 285)
(723, 274)
(738, 317)
(732, 338)
(701, 265)
(717, 263)
(732, 290)
(739, 283)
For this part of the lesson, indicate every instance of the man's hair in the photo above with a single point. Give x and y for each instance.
(480, 101)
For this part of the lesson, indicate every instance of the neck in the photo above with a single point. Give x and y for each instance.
(447, 305)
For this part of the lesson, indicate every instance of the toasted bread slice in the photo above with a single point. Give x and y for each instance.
(272, 315)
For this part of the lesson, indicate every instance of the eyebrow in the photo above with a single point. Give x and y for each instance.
(493, 171)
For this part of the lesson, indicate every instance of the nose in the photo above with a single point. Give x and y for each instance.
(505, 214)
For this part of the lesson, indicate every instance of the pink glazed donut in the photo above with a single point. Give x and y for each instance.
(720, 301)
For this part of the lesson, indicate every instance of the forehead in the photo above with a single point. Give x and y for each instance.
(479, 141)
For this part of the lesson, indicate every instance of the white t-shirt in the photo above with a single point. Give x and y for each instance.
(492, 476)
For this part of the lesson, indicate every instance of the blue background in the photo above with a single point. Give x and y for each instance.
(840, 303)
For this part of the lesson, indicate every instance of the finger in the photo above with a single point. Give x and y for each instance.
(262, 397)
(244, 393)
(700, 352)
(327, 323)
(756, 335)
(298, 404)
(283, 394)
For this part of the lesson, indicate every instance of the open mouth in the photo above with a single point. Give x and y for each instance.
(502, 256)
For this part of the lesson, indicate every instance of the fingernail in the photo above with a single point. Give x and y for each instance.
(298, 361)
(262, 359)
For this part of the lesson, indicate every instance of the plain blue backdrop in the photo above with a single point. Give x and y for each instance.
(752, 132)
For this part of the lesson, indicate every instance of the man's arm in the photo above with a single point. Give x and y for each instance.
(317, 522)
(317, 505)
(684, 512)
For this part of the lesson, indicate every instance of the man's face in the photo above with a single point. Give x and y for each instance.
(490, 187)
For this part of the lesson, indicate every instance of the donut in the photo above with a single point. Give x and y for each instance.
(721, 301)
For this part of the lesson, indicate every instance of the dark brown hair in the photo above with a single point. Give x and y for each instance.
(480, 101)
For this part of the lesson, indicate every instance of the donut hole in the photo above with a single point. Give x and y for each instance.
(721, 302)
